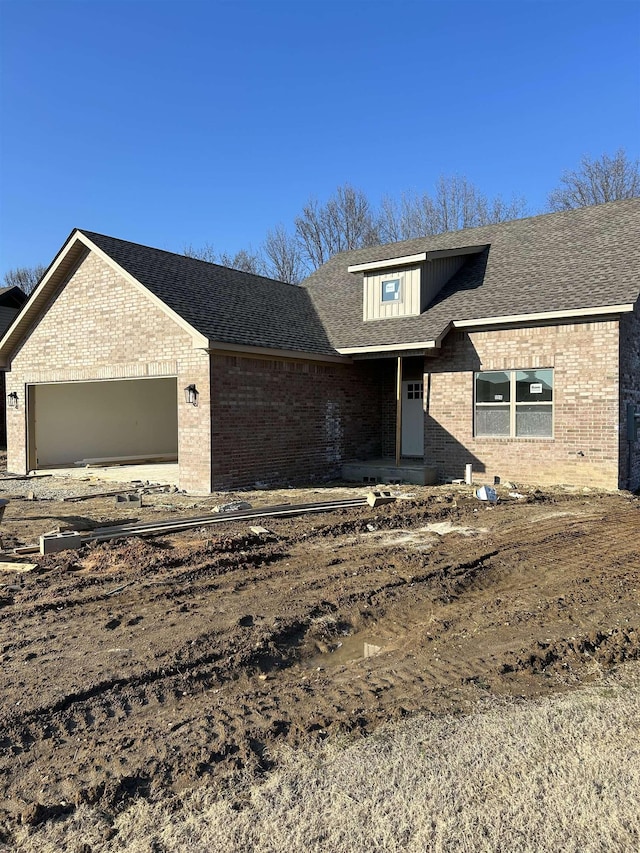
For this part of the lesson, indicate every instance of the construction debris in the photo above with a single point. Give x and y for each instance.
(26, 549)
(118, 589)
(134, 500)
(260, 531)
(52, 543)
(487, 493)
(234, 506)
(379, 498)
(73, 498)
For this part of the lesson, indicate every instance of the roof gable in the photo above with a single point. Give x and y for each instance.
(216, 305)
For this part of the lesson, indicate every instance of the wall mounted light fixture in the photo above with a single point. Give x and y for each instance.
(191, 395)
(12, 400)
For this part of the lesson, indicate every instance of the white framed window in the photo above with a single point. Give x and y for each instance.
(391, 290)
(514, 403)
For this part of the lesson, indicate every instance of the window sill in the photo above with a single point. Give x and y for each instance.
(501, 439)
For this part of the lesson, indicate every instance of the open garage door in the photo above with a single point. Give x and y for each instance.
(121, 420)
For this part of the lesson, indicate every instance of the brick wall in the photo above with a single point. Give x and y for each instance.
(100, 326)
(585, 447)
(629, 393)
(279, 420)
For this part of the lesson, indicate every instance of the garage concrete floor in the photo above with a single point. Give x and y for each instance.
(165, 473)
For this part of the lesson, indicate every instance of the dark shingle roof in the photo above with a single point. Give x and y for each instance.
(586, 258)
(223, 304)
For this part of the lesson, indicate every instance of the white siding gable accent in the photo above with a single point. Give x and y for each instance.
(408, 303)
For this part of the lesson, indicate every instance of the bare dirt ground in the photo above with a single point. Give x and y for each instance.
(222, 643)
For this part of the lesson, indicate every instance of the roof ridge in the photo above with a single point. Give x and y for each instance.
(182, 256)
(577, 211)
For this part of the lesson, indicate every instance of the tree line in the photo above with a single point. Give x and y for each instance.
(348, 220)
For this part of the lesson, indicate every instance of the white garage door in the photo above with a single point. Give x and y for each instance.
(112, 419)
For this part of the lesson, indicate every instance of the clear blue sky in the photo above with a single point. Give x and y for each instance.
(174, 123)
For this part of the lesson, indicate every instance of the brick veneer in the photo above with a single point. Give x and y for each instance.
(283, 420)
(277, 419)
(585, 447)
(629, 393)
(100, 326)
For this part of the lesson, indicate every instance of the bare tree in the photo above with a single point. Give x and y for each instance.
(206, 253)
(282, 252)
(246, 261)
(346, 221)
(456, 204)
(26, 278)
(597, 181)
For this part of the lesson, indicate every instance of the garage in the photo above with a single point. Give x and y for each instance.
(110, 421)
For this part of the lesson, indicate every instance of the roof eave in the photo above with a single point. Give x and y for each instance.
(545, 316)
(222, 347)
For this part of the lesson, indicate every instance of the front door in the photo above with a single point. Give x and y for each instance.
(413, 418)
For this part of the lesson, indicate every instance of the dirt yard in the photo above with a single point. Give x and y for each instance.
(144, 667)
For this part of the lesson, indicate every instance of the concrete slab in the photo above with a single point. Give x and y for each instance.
(157, 472)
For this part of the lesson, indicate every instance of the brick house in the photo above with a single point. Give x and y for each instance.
(513, 347)
(11, 301)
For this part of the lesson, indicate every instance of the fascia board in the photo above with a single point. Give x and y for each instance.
(567, 314)
(222, 348)
(391, 262)
(390, 347)
(36, 300)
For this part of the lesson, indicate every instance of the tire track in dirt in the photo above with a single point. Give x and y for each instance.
(225, 644)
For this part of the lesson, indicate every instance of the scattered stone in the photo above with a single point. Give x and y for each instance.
(234, 506)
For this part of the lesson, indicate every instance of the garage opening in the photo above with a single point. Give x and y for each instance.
(107, 422)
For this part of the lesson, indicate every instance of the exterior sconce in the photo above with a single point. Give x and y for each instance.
(190, 395)
(12, 399)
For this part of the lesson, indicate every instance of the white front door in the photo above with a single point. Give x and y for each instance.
(413, 419)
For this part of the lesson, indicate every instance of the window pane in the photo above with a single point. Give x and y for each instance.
(391, 290)
(493, 387)
(534, 386)
(492, 420)
(534, 420)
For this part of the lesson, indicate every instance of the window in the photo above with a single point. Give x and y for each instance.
(391, 290)
(514, 403)
(415, 391)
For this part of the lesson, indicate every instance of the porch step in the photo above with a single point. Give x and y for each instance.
(383, 471)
